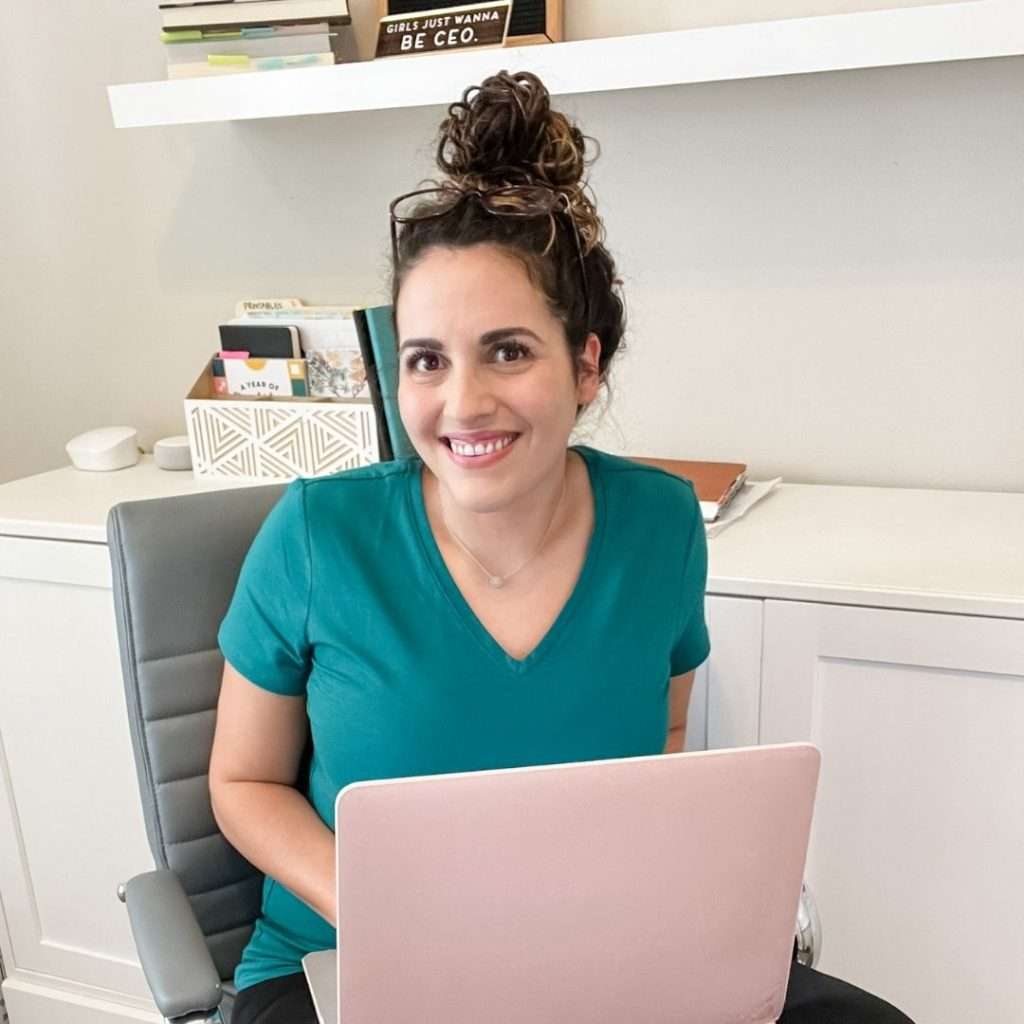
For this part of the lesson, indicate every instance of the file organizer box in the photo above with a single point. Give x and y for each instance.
(248, 438)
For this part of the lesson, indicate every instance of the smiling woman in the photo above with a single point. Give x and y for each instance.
(508, 316)
(509, 599)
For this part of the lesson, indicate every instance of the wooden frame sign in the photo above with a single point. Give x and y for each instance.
(446, 28)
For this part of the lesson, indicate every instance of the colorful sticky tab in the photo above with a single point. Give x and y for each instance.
(274, 63)
(221, 59)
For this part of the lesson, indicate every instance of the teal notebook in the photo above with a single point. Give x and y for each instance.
(381, 329)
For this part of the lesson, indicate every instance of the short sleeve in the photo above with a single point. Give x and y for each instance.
(263, 634)
(692, 645)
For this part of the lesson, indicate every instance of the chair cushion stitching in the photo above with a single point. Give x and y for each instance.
(184, 778)
(178, 654)
(195, 839)
(180, 714)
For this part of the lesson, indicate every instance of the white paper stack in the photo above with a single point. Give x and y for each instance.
(742, 502)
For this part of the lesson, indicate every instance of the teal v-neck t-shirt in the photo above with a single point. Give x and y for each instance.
(344, 599)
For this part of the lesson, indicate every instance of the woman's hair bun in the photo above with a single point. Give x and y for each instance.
(504, 131)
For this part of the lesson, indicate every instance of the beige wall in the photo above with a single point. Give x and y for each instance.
(824, 272)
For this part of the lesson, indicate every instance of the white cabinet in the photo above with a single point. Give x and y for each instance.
(69, 805)
(726, 689)
(918, 835)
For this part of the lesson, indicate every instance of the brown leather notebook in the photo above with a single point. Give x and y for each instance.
(715, 482)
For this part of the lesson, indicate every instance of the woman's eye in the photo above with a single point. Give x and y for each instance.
(423, 361)
(513, 352)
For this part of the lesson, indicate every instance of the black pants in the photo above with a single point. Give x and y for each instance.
(811, 998)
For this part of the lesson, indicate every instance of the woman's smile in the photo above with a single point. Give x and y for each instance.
(479, 452)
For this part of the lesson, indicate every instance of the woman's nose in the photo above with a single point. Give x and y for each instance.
(469, 396)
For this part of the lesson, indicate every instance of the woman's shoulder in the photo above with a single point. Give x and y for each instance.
(367, 487)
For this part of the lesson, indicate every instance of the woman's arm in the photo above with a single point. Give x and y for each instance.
(257, 747)
(678, 705)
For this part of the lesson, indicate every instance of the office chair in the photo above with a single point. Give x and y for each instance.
(175, 563)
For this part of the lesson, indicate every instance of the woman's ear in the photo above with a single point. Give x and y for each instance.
(588, 372)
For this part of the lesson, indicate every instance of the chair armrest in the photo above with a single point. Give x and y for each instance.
(175, 958)
(808, 928)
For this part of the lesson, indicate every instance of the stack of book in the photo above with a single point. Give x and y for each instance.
(326, 342)
(232, 36)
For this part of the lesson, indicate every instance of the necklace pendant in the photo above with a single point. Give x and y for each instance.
(496, 581)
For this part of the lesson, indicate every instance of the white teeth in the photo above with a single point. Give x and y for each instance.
(465, 449)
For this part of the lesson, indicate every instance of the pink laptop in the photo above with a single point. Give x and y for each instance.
(647, 890)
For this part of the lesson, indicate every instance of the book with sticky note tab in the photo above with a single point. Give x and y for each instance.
(261, 341)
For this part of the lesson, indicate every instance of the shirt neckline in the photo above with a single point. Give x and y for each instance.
(461, 606)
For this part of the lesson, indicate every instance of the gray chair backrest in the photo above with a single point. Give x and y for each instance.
(175, 565)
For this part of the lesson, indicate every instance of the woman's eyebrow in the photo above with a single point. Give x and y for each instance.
(489, 338)
(430, 343)
(502, 333)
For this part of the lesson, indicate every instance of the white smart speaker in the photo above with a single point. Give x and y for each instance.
(104, 449)
(173, 453)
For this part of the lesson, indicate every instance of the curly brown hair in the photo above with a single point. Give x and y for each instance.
(503, 132)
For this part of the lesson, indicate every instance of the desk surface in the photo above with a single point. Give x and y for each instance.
(72, 504)
(926, 550)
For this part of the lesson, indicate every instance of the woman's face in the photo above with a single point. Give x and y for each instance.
(484, 367)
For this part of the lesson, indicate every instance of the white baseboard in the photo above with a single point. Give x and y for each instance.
(29, 1002)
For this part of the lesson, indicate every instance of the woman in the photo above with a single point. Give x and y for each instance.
(501, 600)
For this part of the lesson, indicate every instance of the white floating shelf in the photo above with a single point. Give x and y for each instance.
(969, 30)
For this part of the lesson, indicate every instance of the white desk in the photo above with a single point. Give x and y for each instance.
(885, 625)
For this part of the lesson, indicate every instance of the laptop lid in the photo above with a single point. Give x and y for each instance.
(654, 889)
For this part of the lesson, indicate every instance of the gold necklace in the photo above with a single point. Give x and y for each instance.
(493, 578)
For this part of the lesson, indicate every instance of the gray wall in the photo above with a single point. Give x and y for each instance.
(823, 272)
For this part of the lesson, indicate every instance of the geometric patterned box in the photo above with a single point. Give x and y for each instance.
(247, 438)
